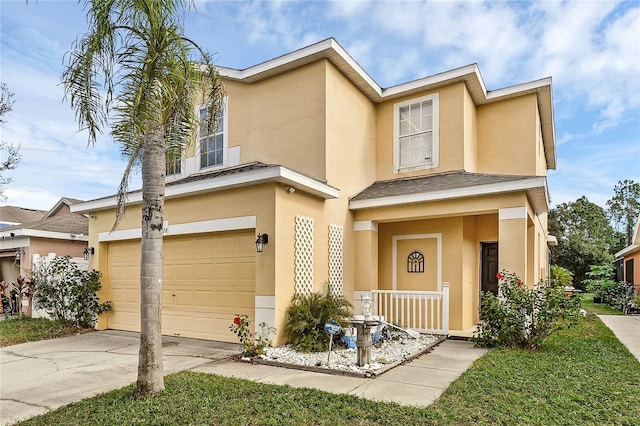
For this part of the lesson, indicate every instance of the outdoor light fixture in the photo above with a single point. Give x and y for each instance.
(88, 251)
(366, 304)
(19, 253)
(261, 241)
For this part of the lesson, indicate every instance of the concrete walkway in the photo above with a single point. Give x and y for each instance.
(418, 383)
(41, 376)
(627, 330)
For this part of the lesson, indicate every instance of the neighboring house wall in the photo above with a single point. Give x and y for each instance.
(44, 246)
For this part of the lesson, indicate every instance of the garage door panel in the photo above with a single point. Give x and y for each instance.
(212, 277)
(205, 297)
(203, 271)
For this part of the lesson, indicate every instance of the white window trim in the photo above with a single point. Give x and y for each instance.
(225, 138)
(435, 153)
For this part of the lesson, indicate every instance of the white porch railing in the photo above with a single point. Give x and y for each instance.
(423, 311)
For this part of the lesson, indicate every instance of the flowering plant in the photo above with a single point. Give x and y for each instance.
(251, 345)
(520, 316)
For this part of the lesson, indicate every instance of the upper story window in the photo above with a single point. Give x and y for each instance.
(416, 144)
(212, 138)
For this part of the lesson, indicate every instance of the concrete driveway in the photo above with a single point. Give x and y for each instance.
(41, 376)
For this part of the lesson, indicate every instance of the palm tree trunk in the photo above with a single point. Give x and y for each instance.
(150, 369)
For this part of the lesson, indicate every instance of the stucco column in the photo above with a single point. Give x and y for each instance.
(512, 240)
(366, 260)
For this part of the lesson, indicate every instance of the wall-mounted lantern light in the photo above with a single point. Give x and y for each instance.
(261, 241)
(19, 253)
(88, 251)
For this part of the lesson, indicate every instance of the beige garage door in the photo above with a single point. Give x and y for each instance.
(206, 280)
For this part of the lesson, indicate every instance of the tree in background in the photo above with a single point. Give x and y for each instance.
(585, 237)
(10, 160)
(134, 72)
(623, 210)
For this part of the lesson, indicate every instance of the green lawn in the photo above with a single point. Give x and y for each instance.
(20, 330)
(586, 299)
(582, 375)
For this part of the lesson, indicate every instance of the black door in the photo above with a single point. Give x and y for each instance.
(489, 267)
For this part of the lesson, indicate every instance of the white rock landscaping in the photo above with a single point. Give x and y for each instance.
(384, 355)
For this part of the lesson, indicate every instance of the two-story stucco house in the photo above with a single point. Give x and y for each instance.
(404, 188)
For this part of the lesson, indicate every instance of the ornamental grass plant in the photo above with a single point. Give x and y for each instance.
(307, 315)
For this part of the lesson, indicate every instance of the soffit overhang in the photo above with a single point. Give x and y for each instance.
(230, 178)
(332, 51)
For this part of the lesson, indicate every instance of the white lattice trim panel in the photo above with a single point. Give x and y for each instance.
(304, 255)
(335, 260)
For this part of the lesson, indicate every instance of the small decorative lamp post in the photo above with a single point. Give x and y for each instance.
(366, 304)
(363, 330)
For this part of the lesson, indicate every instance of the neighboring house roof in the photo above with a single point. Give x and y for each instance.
(331, 50)
(63, 201)
(16, 215)
(73, 226)
(635, 242)
(218, 180)
(450, 185)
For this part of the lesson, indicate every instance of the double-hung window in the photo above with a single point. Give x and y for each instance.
(212, 138)
(416, 144)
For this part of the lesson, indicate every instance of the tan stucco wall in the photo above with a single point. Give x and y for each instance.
(470, 133)
(507, 136)
(541, 159)
(350, 136)
(281, 120)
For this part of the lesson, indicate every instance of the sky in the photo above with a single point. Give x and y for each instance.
(591, 49)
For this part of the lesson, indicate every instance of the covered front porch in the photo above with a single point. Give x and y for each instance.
(405, 255)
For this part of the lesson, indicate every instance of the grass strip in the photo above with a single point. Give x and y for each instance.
(586, 300)
(14, 331)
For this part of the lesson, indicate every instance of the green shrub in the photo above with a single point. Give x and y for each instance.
(307, 315)
(65, 292)
(523, 317)
(621, 296)
(600, 281)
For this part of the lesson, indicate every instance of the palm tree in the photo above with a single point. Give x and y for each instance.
(133, 71)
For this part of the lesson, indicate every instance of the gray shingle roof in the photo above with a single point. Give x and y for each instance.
(72, 224)
(224, 172)
(14, 214)
(434, 183)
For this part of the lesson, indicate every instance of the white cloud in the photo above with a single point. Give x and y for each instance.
(588, 48)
